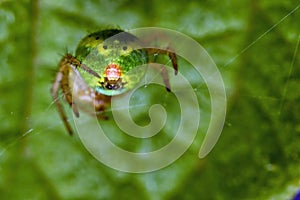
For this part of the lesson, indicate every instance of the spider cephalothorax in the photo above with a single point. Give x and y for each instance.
(112, 79)
(104, 65)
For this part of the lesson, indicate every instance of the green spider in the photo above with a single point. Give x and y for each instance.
(104, 65)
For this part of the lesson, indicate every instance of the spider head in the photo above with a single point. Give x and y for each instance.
(112, 77)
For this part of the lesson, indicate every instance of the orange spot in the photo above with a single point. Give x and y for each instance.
(113, 72)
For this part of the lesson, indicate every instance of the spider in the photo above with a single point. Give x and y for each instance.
(104, 65)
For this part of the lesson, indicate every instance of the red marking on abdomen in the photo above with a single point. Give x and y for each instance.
(113, 72)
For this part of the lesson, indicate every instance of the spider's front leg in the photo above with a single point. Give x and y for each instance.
(73, 87)
(164, 72)
(62, 82)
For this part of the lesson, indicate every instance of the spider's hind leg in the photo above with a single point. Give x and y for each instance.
(164, 71)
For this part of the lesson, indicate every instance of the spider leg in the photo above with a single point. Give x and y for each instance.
(173, 58)
(164, 72)
(65, 68)
(54, 92)
(62, 82)
(100, 102)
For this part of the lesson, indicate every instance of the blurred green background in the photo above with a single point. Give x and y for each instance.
(255, 46)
